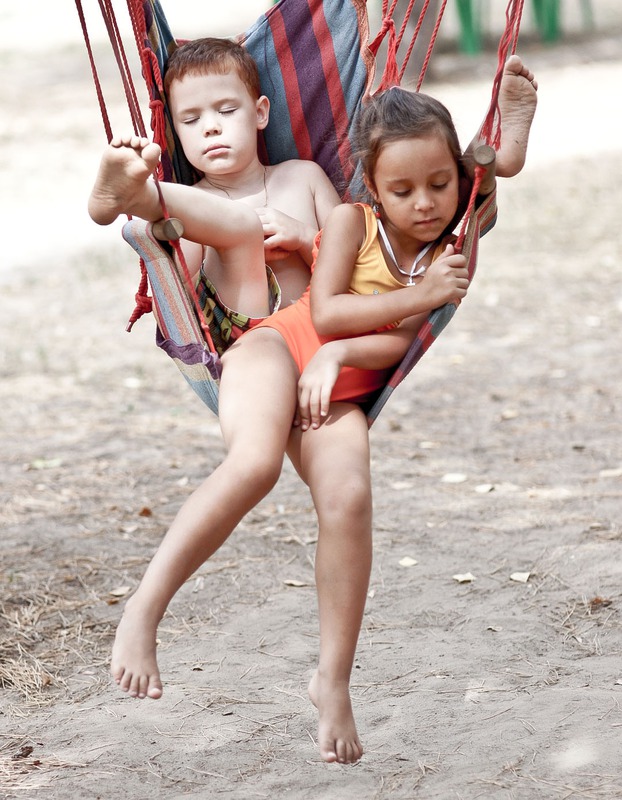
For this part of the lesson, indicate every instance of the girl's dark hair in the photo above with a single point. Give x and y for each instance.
(399, 114)
(212, 55)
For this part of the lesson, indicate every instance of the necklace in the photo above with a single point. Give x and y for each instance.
(415, 270)
(222, 188)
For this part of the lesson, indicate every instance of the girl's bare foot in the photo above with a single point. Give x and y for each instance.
(337, 737)
(517, 103)
(134, 666)
(126, 166)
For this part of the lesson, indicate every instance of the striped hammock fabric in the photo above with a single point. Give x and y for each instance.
(316, 69)
(314, 66)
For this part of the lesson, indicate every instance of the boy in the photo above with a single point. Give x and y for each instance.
(214, 98)
(217, 111)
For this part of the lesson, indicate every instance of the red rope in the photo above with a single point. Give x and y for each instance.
(393, 73)
(405, 21)
(151, 73)
(491, 127)
(150, 68)
(432, 42)
(144, 303)
(109, 17)
(97, 82)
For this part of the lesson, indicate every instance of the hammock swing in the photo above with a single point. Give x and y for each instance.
(316, 65)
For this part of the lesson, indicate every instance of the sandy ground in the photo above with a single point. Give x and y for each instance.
(500, 457)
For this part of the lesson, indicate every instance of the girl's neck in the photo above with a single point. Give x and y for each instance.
(407, 260)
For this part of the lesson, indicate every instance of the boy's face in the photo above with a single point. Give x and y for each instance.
(217, 121)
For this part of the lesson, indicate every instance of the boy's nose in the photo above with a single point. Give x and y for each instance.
(211, 126)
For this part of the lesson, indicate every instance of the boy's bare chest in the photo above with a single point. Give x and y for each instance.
(295, 201)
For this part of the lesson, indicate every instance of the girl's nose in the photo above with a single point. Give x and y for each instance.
(423, 200)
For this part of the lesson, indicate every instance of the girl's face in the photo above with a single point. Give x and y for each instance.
(416, 183)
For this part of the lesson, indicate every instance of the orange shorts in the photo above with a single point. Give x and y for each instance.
(295, 326)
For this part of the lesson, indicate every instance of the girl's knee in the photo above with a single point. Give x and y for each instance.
(260, 470)
(349, 498)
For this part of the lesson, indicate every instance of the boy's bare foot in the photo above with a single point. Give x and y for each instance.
(337, 736)
(134, 666)
(127, 164)
(517, 103)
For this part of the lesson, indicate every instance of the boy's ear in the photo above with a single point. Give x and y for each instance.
(263, 112)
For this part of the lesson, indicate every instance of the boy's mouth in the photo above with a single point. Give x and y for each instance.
(216, 150)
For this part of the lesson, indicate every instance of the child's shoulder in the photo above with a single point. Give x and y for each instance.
(298, 167)
(351, 216)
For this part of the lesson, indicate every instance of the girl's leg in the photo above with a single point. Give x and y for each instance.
(334, 461)
(257, 394)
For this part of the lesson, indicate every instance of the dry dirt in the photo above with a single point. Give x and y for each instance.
(501, 456)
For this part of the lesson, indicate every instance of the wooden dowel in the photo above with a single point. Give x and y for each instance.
(485, 156)
(168, 230)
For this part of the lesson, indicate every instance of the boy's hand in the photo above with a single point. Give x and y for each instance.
(282, 234)
(446, 280)
(315, 386)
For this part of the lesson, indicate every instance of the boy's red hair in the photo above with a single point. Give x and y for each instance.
(212, 55)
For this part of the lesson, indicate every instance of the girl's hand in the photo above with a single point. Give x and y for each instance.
(282, 234)
(315, 386)
(446, 280)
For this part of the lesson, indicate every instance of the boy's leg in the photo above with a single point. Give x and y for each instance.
(518, 98)
(123, 185)
(334, 461)
(233, 229)
(257, 393)
(517, 103)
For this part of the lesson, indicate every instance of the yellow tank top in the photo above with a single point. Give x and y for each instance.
(371, 274)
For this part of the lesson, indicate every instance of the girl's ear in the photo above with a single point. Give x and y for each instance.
(369, 185)
(263, 112)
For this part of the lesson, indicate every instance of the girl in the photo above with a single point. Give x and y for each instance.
(412, 168)
(378, 273)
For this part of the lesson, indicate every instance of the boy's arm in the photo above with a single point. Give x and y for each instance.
(313, 197)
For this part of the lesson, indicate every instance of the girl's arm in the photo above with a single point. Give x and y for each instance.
(336, 312)
(374, 351)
